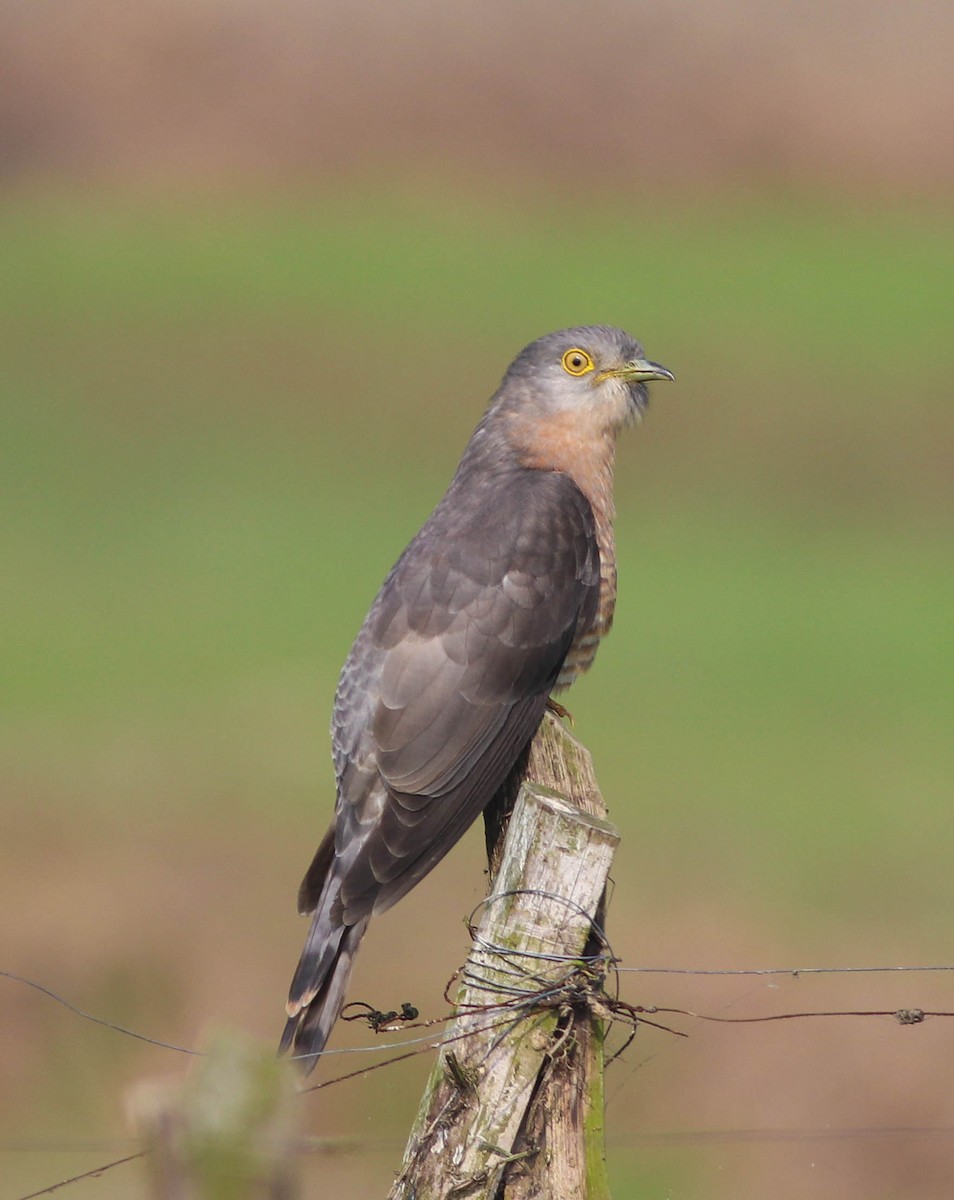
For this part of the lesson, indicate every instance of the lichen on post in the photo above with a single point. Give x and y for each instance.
(514, 1106)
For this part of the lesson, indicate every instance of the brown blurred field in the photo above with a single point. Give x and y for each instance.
(857, 94)
(260, 274)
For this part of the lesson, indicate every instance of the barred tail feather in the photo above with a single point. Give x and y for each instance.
(312, 1018)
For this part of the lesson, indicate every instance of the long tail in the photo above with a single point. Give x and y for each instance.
(318, 989)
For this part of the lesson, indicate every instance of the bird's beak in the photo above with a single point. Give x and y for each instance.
(638, 371)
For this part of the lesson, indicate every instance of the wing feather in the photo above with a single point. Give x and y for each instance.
(449, 676)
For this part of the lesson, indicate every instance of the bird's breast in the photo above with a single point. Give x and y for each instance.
(584, 646)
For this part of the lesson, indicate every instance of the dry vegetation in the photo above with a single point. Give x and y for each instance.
(855, 94)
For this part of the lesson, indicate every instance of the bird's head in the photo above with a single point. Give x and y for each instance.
(594, 371)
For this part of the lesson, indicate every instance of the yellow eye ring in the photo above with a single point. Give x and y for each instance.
(577, 362)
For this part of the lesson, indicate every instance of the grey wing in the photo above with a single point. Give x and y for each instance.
(449, 677)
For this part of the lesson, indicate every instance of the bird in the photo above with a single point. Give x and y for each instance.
(500, 600)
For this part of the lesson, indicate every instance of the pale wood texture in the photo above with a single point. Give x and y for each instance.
(514, 1106)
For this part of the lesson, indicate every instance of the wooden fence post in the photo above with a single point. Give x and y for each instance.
(514, 1106)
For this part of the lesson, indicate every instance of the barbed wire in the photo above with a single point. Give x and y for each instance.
(141, 1037)
(581, 980)
(796, 971)
(317, 1146)
(652, 1139)
(94, 1173)
(379, 1046)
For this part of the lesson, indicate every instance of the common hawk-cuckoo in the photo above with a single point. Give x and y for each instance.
(500, 600)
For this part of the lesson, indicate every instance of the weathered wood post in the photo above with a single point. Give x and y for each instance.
(514, 1106)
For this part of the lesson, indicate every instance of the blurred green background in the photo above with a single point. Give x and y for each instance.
(234, 386)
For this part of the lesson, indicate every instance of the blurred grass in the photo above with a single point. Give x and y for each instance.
(221, 424)
(809, 284)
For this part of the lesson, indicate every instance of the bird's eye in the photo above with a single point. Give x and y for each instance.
(577, 362)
